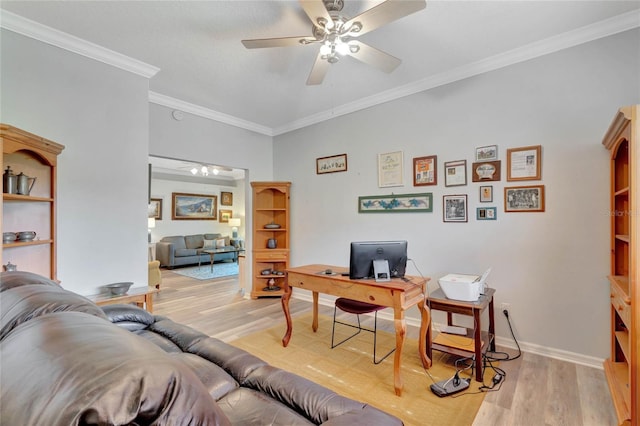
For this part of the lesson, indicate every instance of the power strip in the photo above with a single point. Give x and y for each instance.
(452, 329)
(449, 386)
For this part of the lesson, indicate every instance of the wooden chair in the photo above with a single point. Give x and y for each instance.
(357, 308)
(155, 277)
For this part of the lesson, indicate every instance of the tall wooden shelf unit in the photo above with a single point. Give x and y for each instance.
(270, 206)
(35, 157)
(621, 369)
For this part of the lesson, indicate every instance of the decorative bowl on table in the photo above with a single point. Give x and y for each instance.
(8, 237)
(265, 272)
(118, 289)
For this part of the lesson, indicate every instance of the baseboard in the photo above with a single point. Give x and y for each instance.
(532, 348)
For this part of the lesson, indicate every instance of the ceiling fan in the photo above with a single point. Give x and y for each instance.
(337, 35)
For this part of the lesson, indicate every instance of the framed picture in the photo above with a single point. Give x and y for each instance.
(425, 171)
(486, 213)
(155, 208)
(455, 173)
(226, 198)
(194, 206)
(524, 198)
(390, 169)
(486, 194)
(454, 208)
(225, 215)
(487, 153)
(403, 203)
(332, 164)
(485, 171)
(524, 163)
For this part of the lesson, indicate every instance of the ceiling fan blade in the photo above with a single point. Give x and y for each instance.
(315, 9)
(374, 57)
(319, 70)
(384, 13)
(278, 42)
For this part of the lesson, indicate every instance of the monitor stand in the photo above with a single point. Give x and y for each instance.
(381, 270)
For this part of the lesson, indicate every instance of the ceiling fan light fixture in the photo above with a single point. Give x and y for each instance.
(342, 48)
(194, 171)
(216, 171)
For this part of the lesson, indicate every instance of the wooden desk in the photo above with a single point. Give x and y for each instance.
(437, 301)
(397, 294)
(141, 296)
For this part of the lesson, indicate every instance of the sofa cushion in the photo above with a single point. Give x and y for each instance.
(209, 244)
(251, 408)
(19, 278)
(72, 368)
(177, 241)
(186, 252)
(212, 236)
(194, 241)
(214, 378)
(23, 303)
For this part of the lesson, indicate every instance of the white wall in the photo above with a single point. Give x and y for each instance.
(100, 113)
(552, 266)
(163, 188)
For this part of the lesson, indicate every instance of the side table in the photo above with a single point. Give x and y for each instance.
(437, 301)
(141, 296)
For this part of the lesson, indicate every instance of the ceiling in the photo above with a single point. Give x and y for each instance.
(205, 69)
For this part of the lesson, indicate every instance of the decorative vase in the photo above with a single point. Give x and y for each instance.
(272, 243)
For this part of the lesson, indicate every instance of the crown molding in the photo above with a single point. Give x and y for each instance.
(26, 27)
(605, 28)
(190, 108)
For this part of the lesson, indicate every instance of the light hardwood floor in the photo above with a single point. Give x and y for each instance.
(538, 391)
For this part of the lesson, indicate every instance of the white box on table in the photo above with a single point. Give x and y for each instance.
(463, 287)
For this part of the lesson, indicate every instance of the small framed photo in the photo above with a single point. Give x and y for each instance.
(524, 163)
(487, 153)
(226, 198)
(390, 171)
(332, 164)
(454, 208)
(225, 215)
(455, 173)
(425, 171)
(155, 208)
(486, 194)
(524, 198)
(485, 171)
(486, 213)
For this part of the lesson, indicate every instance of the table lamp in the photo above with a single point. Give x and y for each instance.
(234, 222)
(151, 223)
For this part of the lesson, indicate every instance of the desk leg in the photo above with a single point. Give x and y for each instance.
(287, 315)
(424, 340)
(314, 326)
(401, 331)
(478, 344)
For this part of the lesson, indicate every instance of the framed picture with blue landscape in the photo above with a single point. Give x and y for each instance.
(396, 203)
(194, 206)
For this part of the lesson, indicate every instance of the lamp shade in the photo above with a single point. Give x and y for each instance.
(234, 221)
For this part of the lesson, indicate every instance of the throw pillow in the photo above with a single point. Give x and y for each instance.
(209, 244)
(220, 243)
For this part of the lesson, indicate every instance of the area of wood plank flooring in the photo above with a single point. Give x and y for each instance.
(537, 391)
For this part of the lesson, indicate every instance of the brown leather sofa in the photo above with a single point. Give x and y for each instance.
(65, 361)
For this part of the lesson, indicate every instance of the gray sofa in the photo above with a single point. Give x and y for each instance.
(182, 250)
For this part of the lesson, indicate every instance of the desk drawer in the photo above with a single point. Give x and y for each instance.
(621, 304)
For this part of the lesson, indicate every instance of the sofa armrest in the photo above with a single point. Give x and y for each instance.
(165, 253)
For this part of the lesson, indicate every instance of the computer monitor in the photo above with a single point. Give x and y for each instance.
(363, 253)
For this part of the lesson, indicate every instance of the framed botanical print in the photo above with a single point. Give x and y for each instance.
(226, 198)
